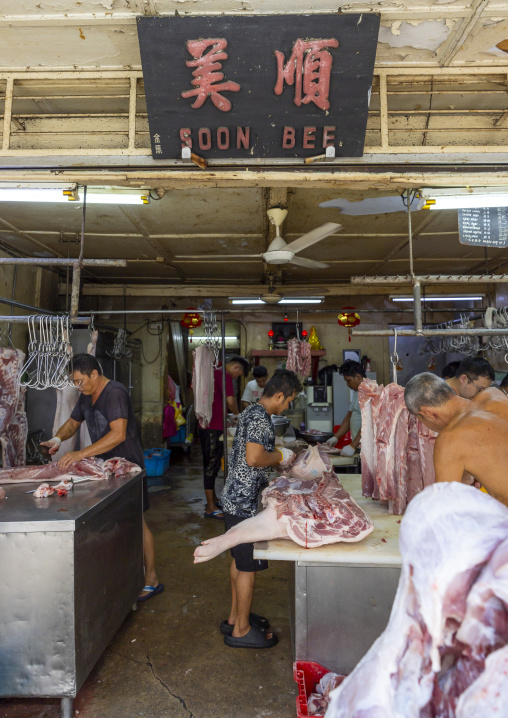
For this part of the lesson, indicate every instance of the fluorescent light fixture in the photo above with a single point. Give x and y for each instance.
(284, 300)
(70, 193)
(442, 298)
(201, 338)
(474, 198)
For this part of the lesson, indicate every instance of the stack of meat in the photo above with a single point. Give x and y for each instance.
(396, 448)
(444, 653)
(95, 469)
(13, 422)
(299, 359)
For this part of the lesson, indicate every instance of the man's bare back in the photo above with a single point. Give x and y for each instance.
(475, 441)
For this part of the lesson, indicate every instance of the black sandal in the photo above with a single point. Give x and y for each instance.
(260, 621)
(255, 638)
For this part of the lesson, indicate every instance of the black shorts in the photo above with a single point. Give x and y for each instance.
(244, 552)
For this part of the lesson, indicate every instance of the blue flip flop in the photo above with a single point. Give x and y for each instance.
(214, 515)
(153, 591)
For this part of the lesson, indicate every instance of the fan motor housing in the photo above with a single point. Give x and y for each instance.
(278, 256)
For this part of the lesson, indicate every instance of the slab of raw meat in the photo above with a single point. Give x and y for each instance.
(311, 463)
(95, 469)
(43, 491)
(415, 474)
(203, 384)
(317, 512)
(369, 393)
(299, 357)
(448, 533)
(11, 362)
(391, 440)
(311, 512)
(66, 400)
(488, 695)
(13, 440)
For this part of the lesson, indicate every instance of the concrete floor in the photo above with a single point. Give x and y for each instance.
(168, 660)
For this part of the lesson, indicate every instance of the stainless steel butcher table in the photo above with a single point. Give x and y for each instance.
(342, 593)
(71, 569)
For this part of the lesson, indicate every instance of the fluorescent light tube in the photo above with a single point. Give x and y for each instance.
(246, 301)
(457, 198)
(442, 298)
(56, 194)
(310, 300)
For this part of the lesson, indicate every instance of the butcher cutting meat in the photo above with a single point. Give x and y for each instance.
(353, 373)
(472, 434)
(106, 408)
(252, 455)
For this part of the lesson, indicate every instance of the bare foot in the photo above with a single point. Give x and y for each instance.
(209, 549)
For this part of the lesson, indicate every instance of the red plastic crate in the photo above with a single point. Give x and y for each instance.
(307, 674)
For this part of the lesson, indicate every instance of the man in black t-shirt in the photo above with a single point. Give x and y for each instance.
(106, 407)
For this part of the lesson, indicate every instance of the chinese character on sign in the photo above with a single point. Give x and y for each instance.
(208, 78)
(156, 138)
(158, 149)
(309, 69)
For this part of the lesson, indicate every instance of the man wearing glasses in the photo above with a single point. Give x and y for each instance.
(472, 434)
(106, 407)
(473, 375)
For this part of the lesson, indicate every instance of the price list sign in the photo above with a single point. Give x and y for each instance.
(484, 226)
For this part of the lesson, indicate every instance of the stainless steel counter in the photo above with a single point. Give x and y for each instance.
(71, 568)
(342, 593)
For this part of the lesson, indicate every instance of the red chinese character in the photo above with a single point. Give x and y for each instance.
(311, 63)
(206, 73)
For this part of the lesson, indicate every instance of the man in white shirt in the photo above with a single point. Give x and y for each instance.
(353, 373)
(254, 388)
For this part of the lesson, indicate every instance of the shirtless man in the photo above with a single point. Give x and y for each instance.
(472, 434)
(473, 375)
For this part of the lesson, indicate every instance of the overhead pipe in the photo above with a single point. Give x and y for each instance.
(63, 262)
(432, 279)
(22, 319)
(76, 272)
(480, 332)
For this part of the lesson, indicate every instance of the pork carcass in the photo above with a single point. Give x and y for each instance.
(299, 357)
(369, 393)
(66, 400)
(449, 532)
(311, 512)
(95, 469)
(14, 438)
(203, 384)
(488, 695)
(391, 447)
(311, 463)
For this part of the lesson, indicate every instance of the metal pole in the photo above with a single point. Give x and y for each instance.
(76, 273)
(480, 332)
(17, 319)
(63, 262)
(410, 233)
(389, 310)
(433, 279)
(417, 296)
(224, 397)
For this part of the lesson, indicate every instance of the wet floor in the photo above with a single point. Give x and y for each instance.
(168, 660)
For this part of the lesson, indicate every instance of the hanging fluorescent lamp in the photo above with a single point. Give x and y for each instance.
(442, 298)
(71, 193)
(473, 198)
(284, 300)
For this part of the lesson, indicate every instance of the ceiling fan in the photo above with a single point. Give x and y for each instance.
(376, 205)
(280, 252)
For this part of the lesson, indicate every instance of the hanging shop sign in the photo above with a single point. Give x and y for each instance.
(484, 226)
(276, 86)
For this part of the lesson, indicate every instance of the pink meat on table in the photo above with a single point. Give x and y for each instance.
(311, 463)
(369, 393)
(312, 512)
(94, 469)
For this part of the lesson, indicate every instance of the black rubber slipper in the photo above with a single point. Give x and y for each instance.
(227, 629)
(255, 638)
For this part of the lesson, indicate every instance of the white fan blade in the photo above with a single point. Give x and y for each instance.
(316, 235)
(310, 263)
(374, 205)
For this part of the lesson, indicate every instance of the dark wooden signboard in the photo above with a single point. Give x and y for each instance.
(484, 226)
(258, 86)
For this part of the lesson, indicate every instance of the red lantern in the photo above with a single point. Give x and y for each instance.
(191, 320)
(271, 333)
(348, 318)
(305, 333)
